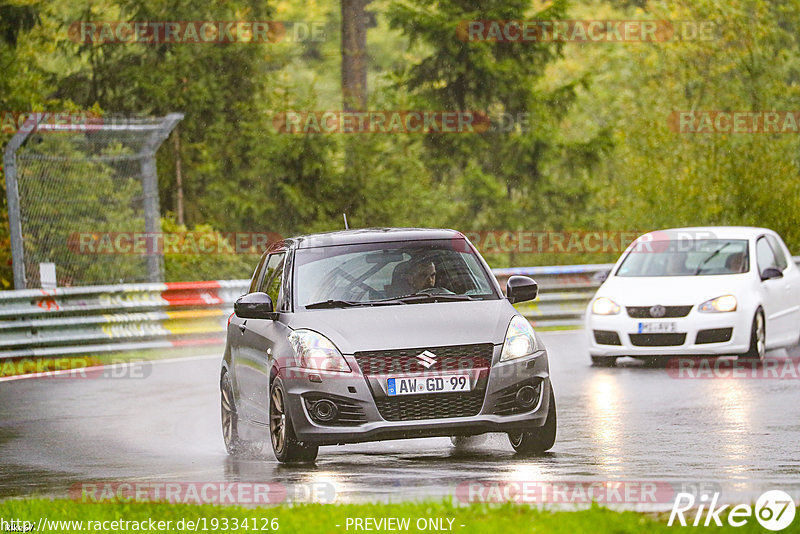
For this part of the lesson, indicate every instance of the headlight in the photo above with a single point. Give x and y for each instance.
(605, 306)
(520, 340)
(726, 303)
(315, 351)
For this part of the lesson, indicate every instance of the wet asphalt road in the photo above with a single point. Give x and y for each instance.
(630, 423)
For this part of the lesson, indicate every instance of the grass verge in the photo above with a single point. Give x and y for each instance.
(318, 518)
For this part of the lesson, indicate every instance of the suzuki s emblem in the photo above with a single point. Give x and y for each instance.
(427, 359)
(658, 311)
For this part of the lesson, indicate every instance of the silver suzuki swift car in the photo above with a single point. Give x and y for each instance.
(366, 335)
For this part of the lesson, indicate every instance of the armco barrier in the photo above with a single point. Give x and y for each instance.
(39, 322)
(82, 320)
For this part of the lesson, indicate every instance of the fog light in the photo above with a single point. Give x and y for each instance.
(324, 411)
(526, 397)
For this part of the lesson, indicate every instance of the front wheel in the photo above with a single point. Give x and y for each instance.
(758, 339)
(540, 439)
(281, 432)
(235, 445)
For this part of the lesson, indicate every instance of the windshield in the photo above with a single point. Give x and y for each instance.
(374, 272)
(686, 258)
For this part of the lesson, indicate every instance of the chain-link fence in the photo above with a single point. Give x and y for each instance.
(68, 182)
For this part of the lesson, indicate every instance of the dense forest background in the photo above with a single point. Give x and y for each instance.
(597, 154)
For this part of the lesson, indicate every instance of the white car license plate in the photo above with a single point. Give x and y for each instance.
(414, 385)
(658, 328)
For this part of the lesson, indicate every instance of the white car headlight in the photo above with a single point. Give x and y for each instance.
(315, 351)
(520, 340)
(725, 303)
(605, 306)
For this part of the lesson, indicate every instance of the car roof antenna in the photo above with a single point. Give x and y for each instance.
(346, 227)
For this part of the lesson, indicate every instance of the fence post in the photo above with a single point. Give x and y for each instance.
(12, 195)
(152, 210)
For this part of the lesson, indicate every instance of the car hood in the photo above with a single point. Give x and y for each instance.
(410, 325)
(671, 290)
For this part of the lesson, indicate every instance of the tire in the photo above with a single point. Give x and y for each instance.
(281, 433)
(541, 439)
(758, 339)
(604, 361)
(230, 420)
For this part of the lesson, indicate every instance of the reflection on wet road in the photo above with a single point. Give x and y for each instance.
(630, 423)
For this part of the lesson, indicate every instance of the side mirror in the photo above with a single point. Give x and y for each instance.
(601, 276)
(770, 273)
(254, 306)
(521, 288)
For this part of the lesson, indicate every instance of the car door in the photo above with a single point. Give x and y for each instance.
(235, 336)
(259, 337)
(773, 295)
(790, 317)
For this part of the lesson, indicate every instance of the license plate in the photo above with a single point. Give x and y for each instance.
(658, 328)
(414, 385)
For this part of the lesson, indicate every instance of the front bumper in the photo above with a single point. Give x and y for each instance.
(695, 323)
(360, 393)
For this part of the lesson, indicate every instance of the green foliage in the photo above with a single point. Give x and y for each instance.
(216, 257)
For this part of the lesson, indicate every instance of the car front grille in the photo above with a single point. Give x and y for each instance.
(400, 361)
(644, 312)
(657, 340)
(436, 406)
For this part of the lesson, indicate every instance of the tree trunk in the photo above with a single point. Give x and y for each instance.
(178, 176)
(354, 55)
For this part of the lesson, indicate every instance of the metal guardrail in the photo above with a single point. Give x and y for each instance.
(564, 292)
(95, 319)
(81, 320)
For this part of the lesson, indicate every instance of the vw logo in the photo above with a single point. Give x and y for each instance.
(427, 359)
(658, 311)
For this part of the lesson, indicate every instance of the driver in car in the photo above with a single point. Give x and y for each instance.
(413, 276)
(422, 275)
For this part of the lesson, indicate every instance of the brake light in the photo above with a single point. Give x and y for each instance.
(230, 317)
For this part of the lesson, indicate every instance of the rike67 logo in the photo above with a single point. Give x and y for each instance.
(774, 510)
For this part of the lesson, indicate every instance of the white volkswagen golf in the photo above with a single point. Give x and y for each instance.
(697, 291)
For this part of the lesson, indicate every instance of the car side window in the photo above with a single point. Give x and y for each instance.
(257, 275)
(764, 255)
(271, 285)
(780, 257)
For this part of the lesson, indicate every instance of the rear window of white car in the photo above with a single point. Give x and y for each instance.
(697, 257)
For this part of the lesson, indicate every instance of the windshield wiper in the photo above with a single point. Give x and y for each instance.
(331, 303)
(433, 297)
(405, 299)
(710, 257)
